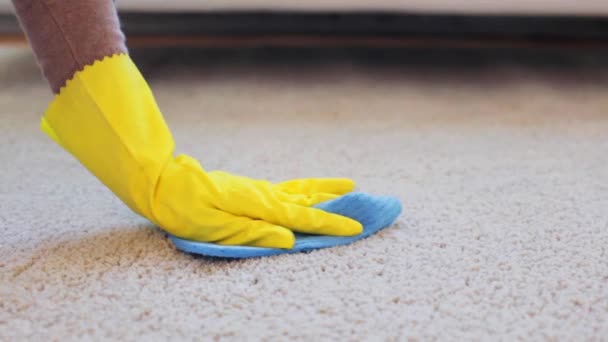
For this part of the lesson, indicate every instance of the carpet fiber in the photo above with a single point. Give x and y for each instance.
(500, 159)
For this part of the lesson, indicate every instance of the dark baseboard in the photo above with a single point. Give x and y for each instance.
(365, 24)
(283, 28)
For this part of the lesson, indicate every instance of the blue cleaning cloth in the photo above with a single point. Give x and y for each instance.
(374, 213)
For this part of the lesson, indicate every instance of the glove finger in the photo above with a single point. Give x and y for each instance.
(224, 228)
(306, 200)
(258, 233)
(309, 186)
(313, 221)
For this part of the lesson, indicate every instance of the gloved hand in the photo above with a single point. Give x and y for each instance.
(106, 116)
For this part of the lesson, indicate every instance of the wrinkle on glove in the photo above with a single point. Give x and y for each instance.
(106, 116)
(373, 212)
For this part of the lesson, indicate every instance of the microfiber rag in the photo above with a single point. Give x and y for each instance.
(374, 213)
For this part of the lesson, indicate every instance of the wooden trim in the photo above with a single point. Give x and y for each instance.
(278, 40)
(357, 41)
(284, 29)
(12, 39)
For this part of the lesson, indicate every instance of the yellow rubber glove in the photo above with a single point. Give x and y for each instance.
(106, 116)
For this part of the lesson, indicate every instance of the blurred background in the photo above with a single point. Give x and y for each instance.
(387, 23)
(487, 118)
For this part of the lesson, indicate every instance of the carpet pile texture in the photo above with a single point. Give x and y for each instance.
(499, 157)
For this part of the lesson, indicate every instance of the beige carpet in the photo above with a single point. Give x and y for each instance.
(500, 158)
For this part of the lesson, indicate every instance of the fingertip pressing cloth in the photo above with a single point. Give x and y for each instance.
(374, 213)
